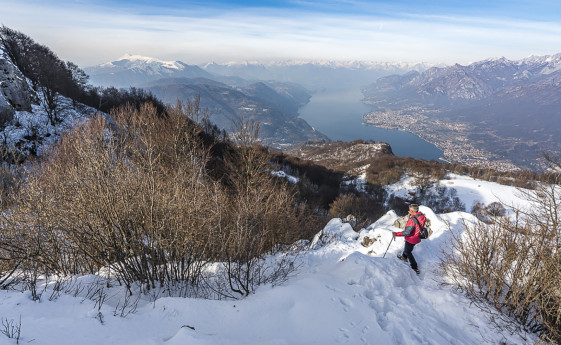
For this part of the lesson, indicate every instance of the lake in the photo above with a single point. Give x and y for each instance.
(338, 114)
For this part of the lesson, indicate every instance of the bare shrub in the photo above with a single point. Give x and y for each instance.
(134, 197)
(131, 196)
(261, 218)
(10, 181)
(363, 208)
(514, 264)
(11, 328)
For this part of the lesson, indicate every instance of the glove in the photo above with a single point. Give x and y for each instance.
(393, 234)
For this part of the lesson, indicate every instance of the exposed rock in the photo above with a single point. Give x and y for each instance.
(351, 220)
(367, 241)
(15, 93)
(401, 221)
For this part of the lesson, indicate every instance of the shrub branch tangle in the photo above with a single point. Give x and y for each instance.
(515, 265)
(262, 217)
(131, 197)
(134, 197)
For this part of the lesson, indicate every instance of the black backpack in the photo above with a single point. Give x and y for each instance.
(424, 231)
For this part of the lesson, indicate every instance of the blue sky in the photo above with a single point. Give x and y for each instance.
(94, 31)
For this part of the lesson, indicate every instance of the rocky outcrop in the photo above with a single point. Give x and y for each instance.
(15, 93)
(341, 155)
(401, 221)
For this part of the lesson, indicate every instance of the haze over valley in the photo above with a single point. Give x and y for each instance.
(494, 113)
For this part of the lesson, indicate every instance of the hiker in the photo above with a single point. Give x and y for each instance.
(411, 234)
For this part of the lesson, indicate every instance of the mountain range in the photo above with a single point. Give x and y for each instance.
(131, 70)
(459, 84)
(274, 106)
(495, 110)
(510, 108)
(270, 93)
(316, 75)
(225, 98)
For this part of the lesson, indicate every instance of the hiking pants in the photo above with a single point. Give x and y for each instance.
(407, 254)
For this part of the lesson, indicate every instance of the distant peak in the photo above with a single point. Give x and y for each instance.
(497, 59)
(140, 59)
(132, 57)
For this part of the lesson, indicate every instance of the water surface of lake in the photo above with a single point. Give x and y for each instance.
(338, 114)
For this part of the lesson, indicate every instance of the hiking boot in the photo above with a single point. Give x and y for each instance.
(417, 270)
(402, 258)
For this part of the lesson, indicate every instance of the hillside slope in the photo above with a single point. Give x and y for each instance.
(25, 127)
(277, 114)
(342, 293)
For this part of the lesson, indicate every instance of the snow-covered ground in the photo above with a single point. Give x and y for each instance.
(470, 191)
(32, 131)
(342, 293)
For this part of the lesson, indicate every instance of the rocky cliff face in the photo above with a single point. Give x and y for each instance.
(15, 93)
(25, 127)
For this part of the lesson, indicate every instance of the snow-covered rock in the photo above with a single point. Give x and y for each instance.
(25, 125)
(15, 93)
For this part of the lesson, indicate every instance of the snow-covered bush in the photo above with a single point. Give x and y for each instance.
(440, 198)
(514, 263)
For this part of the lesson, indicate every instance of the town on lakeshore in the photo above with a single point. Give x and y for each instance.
(451, 137)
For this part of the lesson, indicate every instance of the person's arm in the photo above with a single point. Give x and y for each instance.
(409, 228)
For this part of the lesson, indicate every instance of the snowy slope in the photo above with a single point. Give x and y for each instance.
(342, 293)
(32, 132)
(470, 191)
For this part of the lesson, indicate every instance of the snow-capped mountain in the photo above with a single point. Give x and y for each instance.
(351, 64)
(132, 70)
(472, 82)
(315, 75)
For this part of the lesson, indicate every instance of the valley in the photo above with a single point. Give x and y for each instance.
(453, 138)
(493, 113)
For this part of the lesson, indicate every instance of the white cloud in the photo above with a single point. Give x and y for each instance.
(90, 35)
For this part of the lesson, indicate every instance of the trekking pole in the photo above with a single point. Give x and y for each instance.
(393, 238)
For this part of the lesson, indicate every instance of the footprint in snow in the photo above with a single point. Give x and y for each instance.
(347, 303)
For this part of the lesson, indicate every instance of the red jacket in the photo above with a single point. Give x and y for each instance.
(411, 231)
